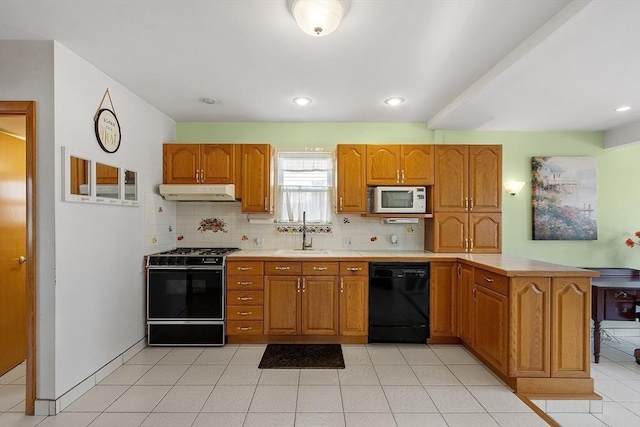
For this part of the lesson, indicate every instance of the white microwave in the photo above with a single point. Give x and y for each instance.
(400, 200)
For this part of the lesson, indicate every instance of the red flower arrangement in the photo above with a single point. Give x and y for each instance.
(629, 242)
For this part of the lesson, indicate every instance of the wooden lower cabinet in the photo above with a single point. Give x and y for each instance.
(443, 315)
(466, 304)
(282, 305)
(245, 309)
(319, 314)
(492, 327)
(354, 304)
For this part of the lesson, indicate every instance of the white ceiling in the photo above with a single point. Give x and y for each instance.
(460, 64)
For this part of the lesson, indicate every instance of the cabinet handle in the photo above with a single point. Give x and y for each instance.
(245, 298)
(486, 279)
(244, 313)
(466, 203)
(474, 293)
(466, 245)
(245, 268)
(244, 328)
(624, 310)
(354, 268)
(397, 176)
(470, 245)
(245, 283)
(265, 203)
(304, 284)
(620, 294)
(201, 176)
(341, 285)
(471, 204)
(459, 270)
(196, 175)
(341, 204)
(402, 176)
(298, 285)
(320, 268)
(282, 268)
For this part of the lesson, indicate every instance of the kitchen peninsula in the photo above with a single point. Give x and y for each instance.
(528, 321)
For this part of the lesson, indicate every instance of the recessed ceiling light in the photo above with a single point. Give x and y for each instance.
(623, 109)
(209, 101)
(394, 101)
(302, 101)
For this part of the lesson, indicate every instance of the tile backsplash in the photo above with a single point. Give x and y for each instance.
(223, 224)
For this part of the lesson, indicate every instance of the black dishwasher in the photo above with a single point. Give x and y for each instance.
(399, 302)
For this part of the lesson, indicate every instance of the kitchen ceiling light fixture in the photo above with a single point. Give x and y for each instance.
(209, 101)
(394, 101)
(622, 109)
(302, 101)
(513, 187)
(318, 18)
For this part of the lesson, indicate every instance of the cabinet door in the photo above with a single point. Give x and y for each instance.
(352, 186)
(485, 178)
(416, 166)
(485, 232)
(443, 300)
(354, 306)
(529, 307)
(256, 178)
(383, 164)
(450, 232)
(466, 304)
(181, 163)
(452, 177)
(281, 305)
(492, 327)
(217, 164)
(320, 305)
(570, 323)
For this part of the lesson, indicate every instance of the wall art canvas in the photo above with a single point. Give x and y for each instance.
(564, 198)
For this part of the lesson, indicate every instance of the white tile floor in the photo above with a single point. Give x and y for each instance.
(382, 385)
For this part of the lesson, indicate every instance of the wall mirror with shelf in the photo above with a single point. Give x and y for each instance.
(107, 181)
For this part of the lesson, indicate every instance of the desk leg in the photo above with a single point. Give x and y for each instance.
(596, 341)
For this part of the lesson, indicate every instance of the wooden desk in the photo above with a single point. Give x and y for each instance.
(615, 296)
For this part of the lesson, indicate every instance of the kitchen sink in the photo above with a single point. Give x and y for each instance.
(300, 252)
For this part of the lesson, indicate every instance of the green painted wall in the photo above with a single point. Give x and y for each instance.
(618, 212)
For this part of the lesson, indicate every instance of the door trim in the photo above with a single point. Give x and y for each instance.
(28, 109)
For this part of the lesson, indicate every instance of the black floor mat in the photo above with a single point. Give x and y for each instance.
(302, 356)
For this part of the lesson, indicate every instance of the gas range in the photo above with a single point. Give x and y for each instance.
(189, 257)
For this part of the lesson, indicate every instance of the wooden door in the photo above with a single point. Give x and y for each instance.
(180, 163)
(485, 232)
(13, 226)
(320, 305)
(354, 306)
(466, 304)
(485, 178)
(282, 305)
(529, 323)
(416, 165)
(492, 327)
(383, 164)
(256, 178)
(450, 232)
(443, 300)
(352, 175)
(570, 320)
(217, 164)
(452, 177)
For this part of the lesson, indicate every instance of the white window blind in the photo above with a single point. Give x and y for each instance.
(305, 182)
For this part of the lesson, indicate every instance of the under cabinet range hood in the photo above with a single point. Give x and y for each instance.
(199, 192)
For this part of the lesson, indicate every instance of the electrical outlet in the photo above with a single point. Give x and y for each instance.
(258, 242)
(346, 242)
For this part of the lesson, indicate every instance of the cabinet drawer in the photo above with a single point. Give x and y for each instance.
(320, 268)
(240, 327)
(285, 268)
(244, 283)
(244, 297)
(357, 268)
(490, 280)
(244, 312)
(246, 268)
(621, 294)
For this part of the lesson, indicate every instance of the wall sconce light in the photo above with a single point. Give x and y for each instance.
(513, 187)
(318, 17)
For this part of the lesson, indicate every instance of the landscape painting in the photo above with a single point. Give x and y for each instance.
(564, 198)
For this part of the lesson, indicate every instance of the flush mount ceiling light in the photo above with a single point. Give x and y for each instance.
(209, 101)
(623, 109)
(394, 101)
(302, 101)
(318, 17)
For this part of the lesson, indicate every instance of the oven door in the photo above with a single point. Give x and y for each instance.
(179, 294)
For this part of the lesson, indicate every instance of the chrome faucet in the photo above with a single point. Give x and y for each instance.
(305, 245)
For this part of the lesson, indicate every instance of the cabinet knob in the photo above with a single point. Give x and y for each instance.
(22, 259)
(620, 294)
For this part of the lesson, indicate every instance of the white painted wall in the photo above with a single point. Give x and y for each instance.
(26, 74)
(99, 249)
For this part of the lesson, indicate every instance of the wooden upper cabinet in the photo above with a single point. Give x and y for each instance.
(352, 185)
(485, 232)
(257, 178)
(198, 164)
(400, 165)
(447, 232)
(468, 178)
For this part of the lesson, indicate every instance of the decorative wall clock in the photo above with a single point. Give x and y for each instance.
(107, 127)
